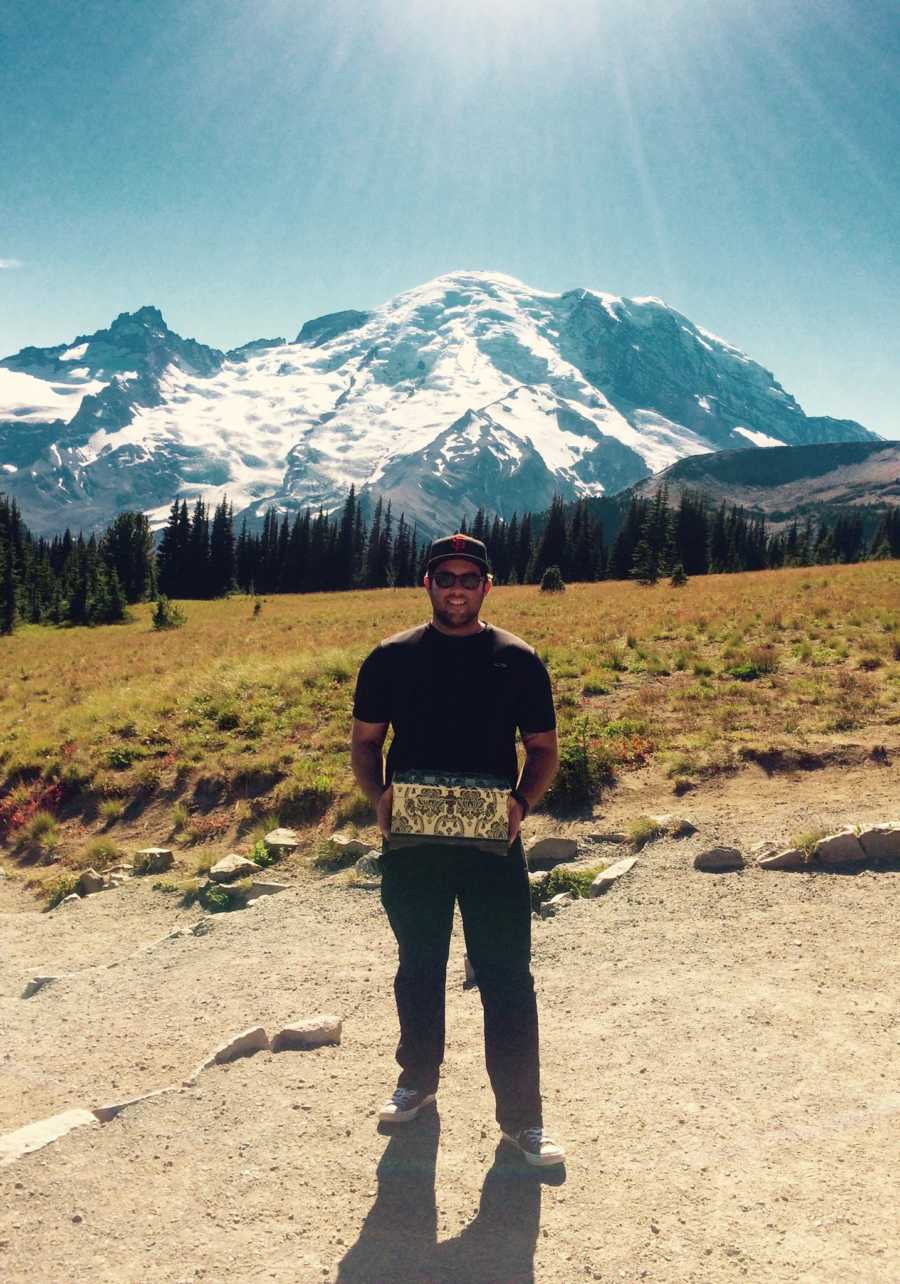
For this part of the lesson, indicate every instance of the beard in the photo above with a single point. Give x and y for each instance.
(457, 617)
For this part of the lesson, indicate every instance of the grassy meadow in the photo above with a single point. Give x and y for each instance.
(242, 717)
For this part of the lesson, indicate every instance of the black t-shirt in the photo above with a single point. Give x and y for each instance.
(454, 703)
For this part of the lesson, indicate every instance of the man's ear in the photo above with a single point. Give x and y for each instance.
(426, 580)
(488, 584)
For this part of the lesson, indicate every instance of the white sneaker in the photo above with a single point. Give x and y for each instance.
(404, 1105)
(536, 1148)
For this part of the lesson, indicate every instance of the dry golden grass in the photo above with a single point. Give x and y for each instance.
(259, 706)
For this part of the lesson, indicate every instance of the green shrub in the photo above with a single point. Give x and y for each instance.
(305, 795)
(167, 615)
(99, 853)
(571, 878)
(643, 830)
(111, 809)
(264, 856)
(552, 580)
(584, 767)
(807, 840)
(41, 831)
(61, 887)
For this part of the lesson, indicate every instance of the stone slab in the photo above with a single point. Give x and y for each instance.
(792, 858)
(840, 849)
(42, 1132)
(718, 860)
(311, 1032)
(881, 842)
(611, 874)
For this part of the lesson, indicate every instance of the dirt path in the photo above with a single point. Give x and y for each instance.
(720, 1057)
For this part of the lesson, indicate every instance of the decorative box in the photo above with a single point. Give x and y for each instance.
(448, 808)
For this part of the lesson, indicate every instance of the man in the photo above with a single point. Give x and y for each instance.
(454, 691)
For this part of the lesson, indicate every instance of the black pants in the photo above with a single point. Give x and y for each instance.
(419, 888)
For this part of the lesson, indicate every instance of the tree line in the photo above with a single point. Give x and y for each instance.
(72, 580)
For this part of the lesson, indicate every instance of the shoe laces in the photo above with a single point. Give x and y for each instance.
(532, 1136)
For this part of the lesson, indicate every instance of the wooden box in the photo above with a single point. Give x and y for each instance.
(447, 808)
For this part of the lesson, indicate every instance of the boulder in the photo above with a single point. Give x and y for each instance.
(548, 852)
(349, 847)
(608, 876)
(368, 866)
(68, 901)
(557, 903)
(36, 1135)
(675, 826)
(792, 858)
(244, 1044)
(311, 1032)
(717, 860)
(263, 887)
(840, 849)
(90, 881)
(154, 860)
(282, 840)
(881, 842)
(232, 867)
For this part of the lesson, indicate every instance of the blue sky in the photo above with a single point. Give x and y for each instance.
(248, 165)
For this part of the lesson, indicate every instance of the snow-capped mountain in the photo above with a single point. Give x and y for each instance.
(472, 390)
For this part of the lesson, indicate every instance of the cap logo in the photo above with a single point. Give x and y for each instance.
(458, 542)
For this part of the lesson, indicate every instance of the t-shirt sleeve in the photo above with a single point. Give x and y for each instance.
(535, 710)
(372, 700)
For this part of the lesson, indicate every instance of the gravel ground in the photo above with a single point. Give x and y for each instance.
(720, 1058)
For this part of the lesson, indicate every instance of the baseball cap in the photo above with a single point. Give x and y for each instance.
(472, 550)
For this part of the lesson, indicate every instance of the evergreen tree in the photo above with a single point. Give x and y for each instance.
(222, 562)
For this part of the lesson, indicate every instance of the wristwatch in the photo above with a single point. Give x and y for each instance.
(522, 801)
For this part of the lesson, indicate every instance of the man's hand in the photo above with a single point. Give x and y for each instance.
(515, 813)
(384, 809)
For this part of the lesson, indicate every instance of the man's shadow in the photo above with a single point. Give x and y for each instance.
(398, 1240)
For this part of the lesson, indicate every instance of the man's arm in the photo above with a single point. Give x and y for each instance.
(541, 763)
(367, 761)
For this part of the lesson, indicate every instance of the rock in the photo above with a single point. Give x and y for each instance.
(37, 983)
(282, 840)
(116, 880)
(539, 878)
(153, 860)
(90, 881)
(763, 849)
(675, 826)
(263, 887)
(202, 927)
(232, 867)
(349, 847)
(68, 901)
(36, 1135)
(548, 852)
(242, 1045)
(791, 858)
(717, 860)
(608, 876)
(312, 1032)
(103, 1114)
(614, 836)
(557, 903)
(471, 978)
(840, 848)
(881, 842)
(368, 866)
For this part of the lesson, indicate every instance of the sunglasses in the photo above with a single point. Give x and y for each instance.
(468, 580)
